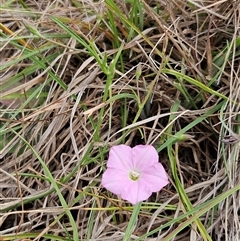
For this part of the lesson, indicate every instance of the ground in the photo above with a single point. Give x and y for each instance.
(78, 77)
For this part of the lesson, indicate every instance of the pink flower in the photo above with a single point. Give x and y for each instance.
(134, 173)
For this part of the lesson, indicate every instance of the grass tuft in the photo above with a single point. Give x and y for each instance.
(78, 77)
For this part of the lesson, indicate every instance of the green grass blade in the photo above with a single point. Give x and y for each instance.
(55, 186)
(132, 222)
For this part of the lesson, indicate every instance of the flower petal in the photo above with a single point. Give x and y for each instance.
(134, 192)
(120, 158)
(144, 156)
(115, 180)
(155, 177)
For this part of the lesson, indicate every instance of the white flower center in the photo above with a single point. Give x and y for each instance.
(134, 175)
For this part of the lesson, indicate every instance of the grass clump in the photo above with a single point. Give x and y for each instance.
(79, 77)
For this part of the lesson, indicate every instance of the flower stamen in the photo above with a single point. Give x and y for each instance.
(134, 175)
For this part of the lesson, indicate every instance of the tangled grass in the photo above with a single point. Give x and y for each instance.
(78, 77)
